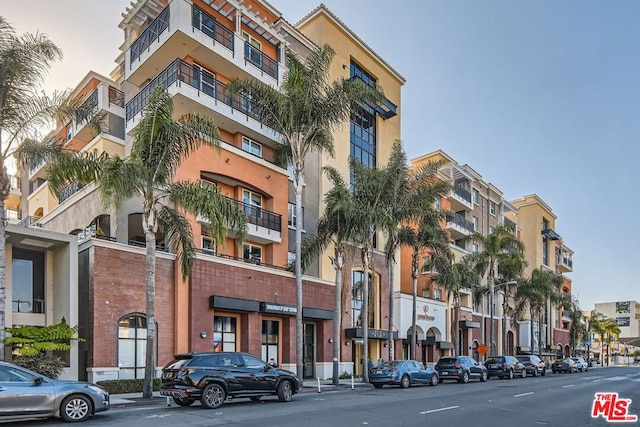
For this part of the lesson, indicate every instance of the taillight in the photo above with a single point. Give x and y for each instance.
(393, 370)
(528, 363)
(505, 365)
(457, 365)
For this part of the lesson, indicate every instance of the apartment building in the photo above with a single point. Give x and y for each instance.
(240, 295)
(474, 205)
(625, 313)
(546, 250)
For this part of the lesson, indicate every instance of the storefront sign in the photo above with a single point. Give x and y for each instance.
(268, 307)
(622, 321)
(622, 307)
(425, 316)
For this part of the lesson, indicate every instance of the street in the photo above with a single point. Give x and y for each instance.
(554, 400)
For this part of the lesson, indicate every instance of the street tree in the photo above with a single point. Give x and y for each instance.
(304, 111)
(159, 146)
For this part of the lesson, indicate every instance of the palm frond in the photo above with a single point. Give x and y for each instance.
(179, 237)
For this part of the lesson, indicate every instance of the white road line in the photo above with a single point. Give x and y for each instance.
(596, 381)
(438, 410)
(568, 385)
(522, 394)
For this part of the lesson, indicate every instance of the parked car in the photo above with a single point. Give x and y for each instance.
(564, 365)
(533, 365)
(583, 366)
(403, 373)
(26, 394)
(461, 369)
(212, 377)
(505, 367)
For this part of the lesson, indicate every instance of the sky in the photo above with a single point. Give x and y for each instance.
(537, 96)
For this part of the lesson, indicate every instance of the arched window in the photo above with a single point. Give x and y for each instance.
(132, 345)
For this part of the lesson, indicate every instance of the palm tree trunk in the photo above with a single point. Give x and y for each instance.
(337, 316)
(531, 310)
(299, 181)
(150, 290)
(3, 277)
(540, 333)
(5, 189)
(390, 342)
(365, 312)
(454, 326)
(414, 315)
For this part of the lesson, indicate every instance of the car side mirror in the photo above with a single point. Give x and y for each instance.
(38, 380)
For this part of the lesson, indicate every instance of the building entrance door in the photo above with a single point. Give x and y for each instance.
(308, 350)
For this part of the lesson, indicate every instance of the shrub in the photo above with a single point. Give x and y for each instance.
(127, 386)
(48, 365)
(344, 375)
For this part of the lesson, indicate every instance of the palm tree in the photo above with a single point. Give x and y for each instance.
(411, 197)
(304, 112)
(334, 228)
(578, 329)
(160, 144)
(536, 292)
(24, 62)
(612, 330)
(501, 252)
(597, 325)
(453, 277)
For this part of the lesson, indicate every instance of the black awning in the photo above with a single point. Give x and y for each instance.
(469, 324)
(445, 345)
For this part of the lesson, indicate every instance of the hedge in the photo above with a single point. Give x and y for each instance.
(127, 386)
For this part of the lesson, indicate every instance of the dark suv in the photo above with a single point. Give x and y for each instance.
(461, 369)
(212, 377)
(505, 367)
(533, 365)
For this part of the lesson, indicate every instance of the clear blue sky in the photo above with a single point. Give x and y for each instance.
(537, 96)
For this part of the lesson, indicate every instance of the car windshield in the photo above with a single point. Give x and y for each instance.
(495, 360)
(176, 364)
(447, 360)
(391, 364)
(524, 358)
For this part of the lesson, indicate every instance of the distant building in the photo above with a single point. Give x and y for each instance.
(625, 313)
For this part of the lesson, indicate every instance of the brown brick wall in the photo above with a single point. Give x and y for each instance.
(117, 288)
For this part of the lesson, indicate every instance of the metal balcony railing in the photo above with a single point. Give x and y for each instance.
(206, 23)
(70, 190)
(116, 97)
(151, 33)
(460, 221)
(183, 72)
(30, 221)
(462, 193)
(260, 60)
(260, 217)
(235, 258)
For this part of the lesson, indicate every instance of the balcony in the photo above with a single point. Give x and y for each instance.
(564, 260)
(460, 199)
(104, 99)
(37, 171)
(264, 226)
(185, 28)
(566, 316)
(458, 226)
(70, 190)
(507, 223)
(197, 90)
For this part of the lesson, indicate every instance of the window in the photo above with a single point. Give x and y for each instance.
(492, 208)
(357, 299)
(291, 257)
(252, 254)
(436, 204)
(252, 49)
(252, 203)
(27, 281)
(251, 147)
(208, 245)
(437, 294)
(475, 223)
(290, 169)
(426, 265)
(292, 216)
(15, 375)
(132, 346)
(270, 339)
(545, 243)
(475, 195)
(474, 248)
(224, 333)
(362, 133)
(69, 131)
(204, 80)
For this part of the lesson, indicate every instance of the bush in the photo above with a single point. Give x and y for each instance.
(48, 365)
(127, 386)
(344, 375)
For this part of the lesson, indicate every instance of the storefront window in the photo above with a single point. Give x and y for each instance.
(132, 346)
(27, 281)
(270, 339)
(357, 298)
(224, 333)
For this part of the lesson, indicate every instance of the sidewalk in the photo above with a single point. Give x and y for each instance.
(308, 386)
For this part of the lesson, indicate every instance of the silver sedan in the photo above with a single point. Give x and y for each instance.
(25, 394)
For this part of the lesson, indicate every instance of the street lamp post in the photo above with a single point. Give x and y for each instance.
(492, 311)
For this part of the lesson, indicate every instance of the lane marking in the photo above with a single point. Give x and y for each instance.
(596, 381)
(438, 410)
(568, 385)
(522, 394)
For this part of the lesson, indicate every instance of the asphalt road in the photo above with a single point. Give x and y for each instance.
(553, 400)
